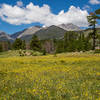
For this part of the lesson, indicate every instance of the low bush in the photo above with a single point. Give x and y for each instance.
(97, 51)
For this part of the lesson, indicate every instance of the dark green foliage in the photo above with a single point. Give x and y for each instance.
(20, 52)
(1, 49)
(35, 43)
(17, 44)
(23, 45)
(97, 51)
(83, 43)
(59, 46)
(92, 23)
(72, 42)
(5, 45)
(97, 13)
(44, 52)
(9, 45)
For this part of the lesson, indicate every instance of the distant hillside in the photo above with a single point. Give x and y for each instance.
(5, 37)
(25, 32)
(52, 32)
(69, 27)
(15, 35)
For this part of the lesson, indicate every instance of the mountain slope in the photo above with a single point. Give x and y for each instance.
(69, 27)
(52, 32)
(25, 32)
(5, 37)
(15, 35)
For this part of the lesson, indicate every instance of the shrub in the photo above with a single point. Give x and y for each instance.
(97, 51)
(1, 49)
(44, 52)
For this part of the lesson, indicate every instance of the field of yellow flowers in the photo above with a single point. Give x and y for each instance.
(61, 77)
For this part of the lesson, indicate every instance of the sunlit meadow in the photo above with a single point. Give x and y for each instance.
(63, 77)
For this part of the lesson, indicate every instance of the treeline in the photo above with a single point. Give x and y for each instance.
(5, 46)
(71, 42)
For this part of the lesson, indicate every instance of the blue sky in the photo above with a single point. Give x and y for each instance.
(53, 12)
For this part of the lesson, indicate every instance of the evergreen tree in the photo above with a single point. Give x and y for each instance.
(76, 42)
(70, 39)
(23, 45)
(98, 17)
(83, 43)
(1, 49)
(59, 46)
(17, 44)
(66, 41)
(97, 13)
(35, 43)
(92, 23)
(9, 45)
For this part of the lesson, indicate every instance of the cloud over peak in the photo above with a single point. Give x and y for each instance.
(18, 15)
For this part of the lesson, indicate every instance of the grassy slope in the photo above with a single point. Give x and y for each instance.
(65, 77)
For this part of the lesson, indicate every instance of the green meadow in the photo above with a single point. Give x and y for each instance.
(66, 76)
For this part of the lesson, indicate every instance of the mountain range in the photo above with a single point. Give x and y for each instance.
(5, 37)
(69, 27)
(51, 32)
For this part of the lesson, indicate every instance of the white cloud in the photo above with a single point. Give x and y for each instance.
(33, 13)
(19, 3)
(74, 15)
(93, 2)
